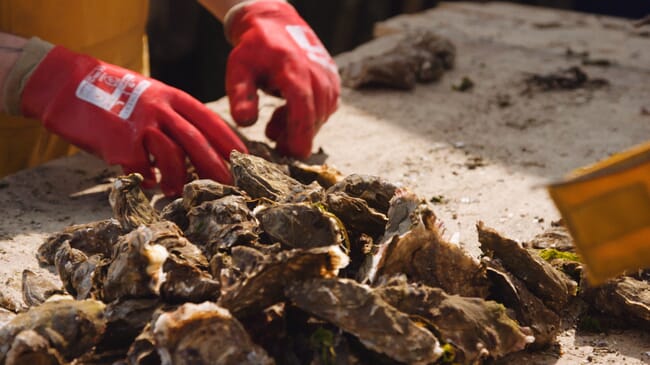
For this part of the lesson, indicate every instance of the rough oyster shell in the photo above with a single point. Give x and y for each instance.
(265, 286)
(29, 347)
(300, 225)
(477, 328)
(264, 179)
(71, 327)
(91, 238)
(549, 284)
(76, 271)
(198, 191)
(130, 206)
(356, 215)
(205, 334)
(356, 309)
(37, 288)
(625, 298)
(376, 191)
(423, 255)
(222, 223)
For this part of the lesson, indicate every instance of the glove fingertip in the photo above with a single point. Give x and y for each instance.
(244, 113)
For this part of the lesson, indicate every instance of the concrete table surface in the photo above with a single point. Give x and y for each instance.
(487, 162)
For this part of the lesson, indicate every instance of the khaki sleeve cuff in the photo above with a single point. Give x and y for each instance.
(33, 53)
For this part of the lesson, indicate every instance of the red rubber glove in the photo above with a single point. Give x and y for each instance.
(276, 51)
(125, 118)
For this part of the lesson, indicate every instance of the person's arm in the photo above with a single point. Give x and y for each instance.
(275, 50)
(11, 47)
(119, 115)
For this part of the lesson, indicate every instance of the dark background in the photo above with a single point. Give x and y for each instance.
(188, 50)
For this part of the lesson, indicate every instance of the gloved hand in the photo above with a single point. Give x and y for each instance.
(126, 119)
(276, 51)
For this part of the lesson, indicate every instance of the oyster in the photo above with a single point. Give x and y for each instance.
(143, 349)
(528, 309)
(265, 286)
(168, 235)
(423, 255)
(374, 190)
(557, 238)
(5, 316)
(476, 328)
(198, 191)
(264, 179)
(549, 284)
(37, 288)
(624, 298)
(301, 225)
(187, 283)
(29, 347)
(69, 326)
(175, 212)
(399, 60)
(91, 238)
(324, 175)
(220, 224)
(130, 206)
(136, 270)
(205, 334)
(356, 215)
(11, 299)
(125, 320)
(76, 271)
(356, 309)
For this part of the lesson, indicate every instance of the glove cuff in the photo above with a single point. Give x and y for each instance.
(237, 11)
(33, 53)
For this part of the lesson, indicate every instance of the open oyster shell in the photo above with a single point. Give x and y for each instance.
(69, 326)
(205, 334)
(130, 206)
(356, 309)
(478, 329)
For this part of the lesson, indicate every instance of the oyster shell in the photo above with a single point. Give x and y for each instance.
(130, 206)
(205, 334)
(301, 225)
(76, 271)
(91, 238)
(29, 347)
(399, 60)
(549, 284)
(143, 349)
(199, 191)
(356, 215)
(478, 329)
(136, 269)
(220, 224)
(187, 283)
(37, 288)
(324, 175)
(69, 326)
(168, 235)
(376, 191)
(356, 309)
(423, 255)
(528, 309)
(263, 179)
(557, 238)
(175, 212)
(265, 286)
(624, 298)
(5, 316)
(125, 320)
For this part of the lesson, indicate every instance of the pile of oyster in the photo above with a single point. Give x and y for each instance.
(294, 264)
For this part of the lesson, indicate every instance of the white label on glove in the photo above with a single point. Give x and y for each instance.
(113, 93)
(308, 41)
